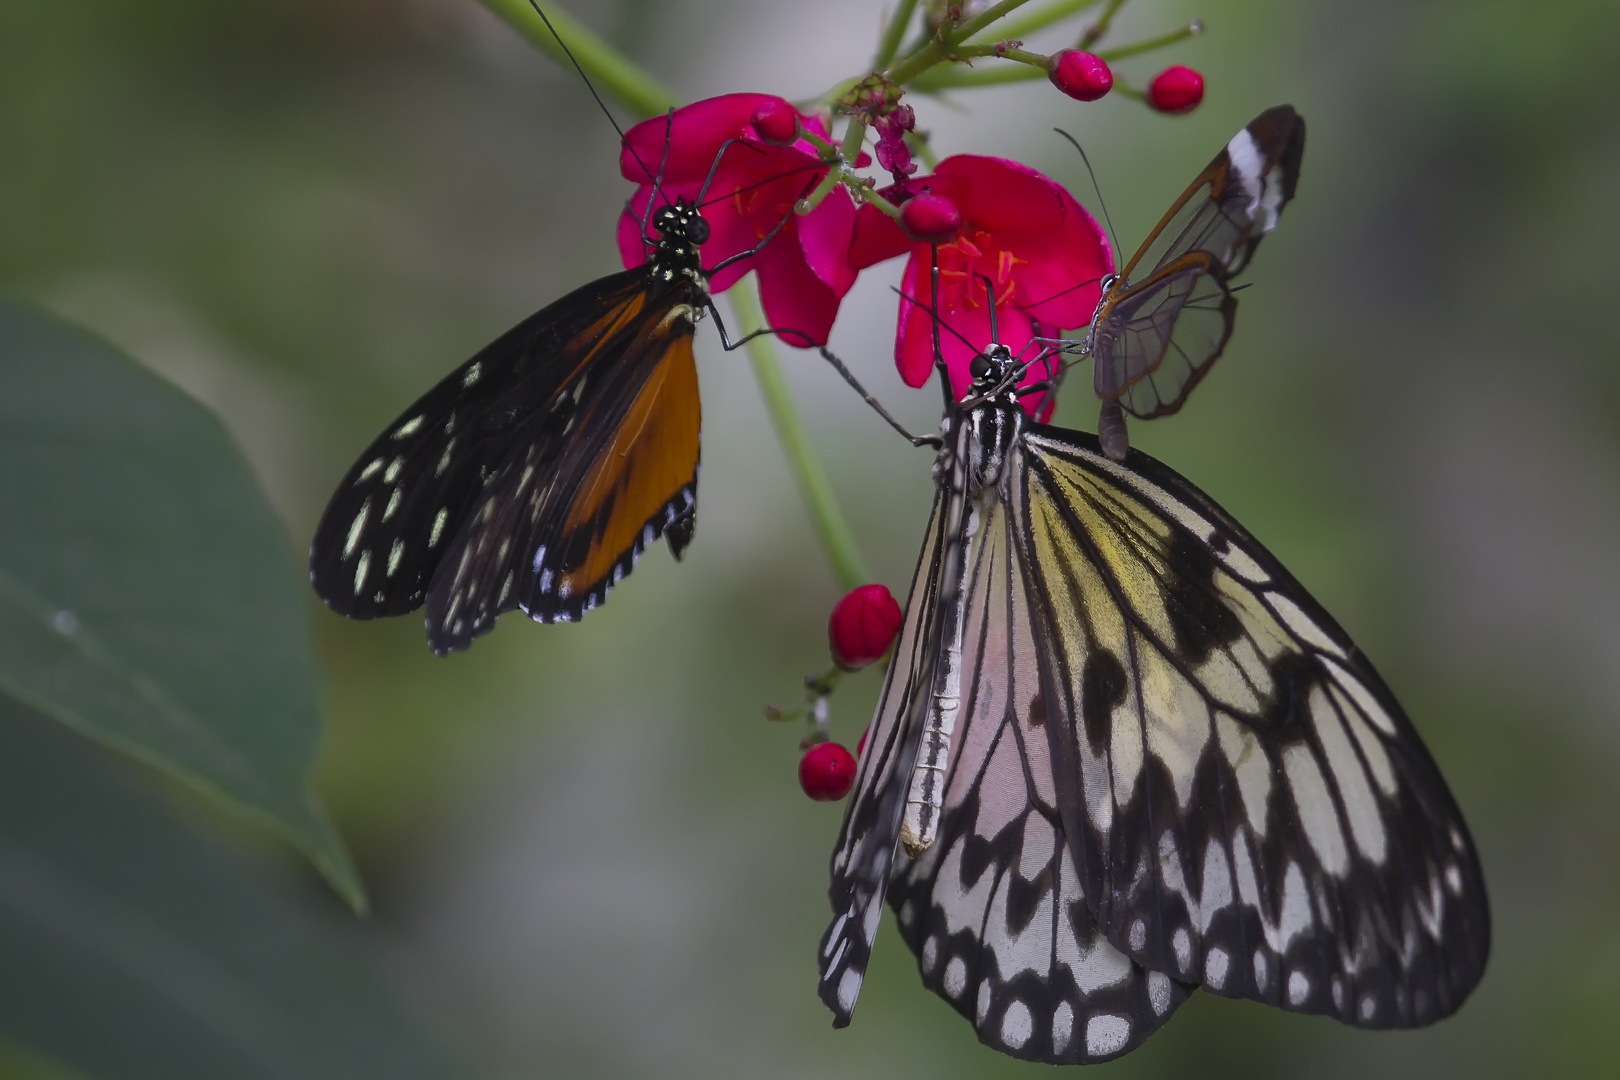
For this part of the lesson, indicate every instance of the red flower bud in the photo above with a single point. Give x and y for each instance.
(827, 772)
(930, 219)
(1176, 89)
(777, 122)
(1083, 76)
(863, 626)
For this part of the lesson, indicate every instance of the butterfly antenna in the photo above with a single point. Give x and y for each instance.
(1094, 186)
(600, 104)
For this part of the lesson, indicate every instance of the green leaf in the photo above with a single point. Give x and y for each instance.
(133, 947)
(147, 595)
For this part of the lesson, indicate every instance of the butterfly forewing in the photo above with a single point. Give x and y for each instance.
(579, 499)
(865, 852)
(580, 419)
(1209, 233)
(1250, 808)
(994, 908)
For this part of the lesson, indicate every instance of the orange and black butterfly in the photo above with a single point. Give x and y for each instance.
(534, 475)
(1164, 319)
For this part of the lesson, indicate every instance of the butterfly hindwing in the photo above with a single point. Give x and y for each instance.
(994, 909)
(1254, 811)
(1206, 238)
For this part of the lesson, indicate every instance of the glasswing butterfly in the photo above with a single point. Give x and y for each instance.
(1164, 319)
(1126, 754)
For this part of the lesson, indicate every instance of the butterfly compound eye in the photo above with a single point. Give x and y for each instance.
(979, 367)
(697, 230)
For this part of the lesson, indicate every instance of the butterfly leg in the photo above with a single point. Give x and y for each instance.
(849, 377)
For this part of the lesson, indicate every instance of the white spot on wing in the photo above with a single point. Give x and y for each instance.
(930, 954)
(1062, 1027)
(955, 977)
(1017, 1025)
(474, 370)
(1249, 167)
(1183, 946)
(984, 1000)
(356, 527)
(370, 470)
(408, 428)
(849, 988)
(1158, 988)
(1215, 964)
(1106, 1034)
(1299, 988)
(360, 569)
(395, 553)
(438, 527)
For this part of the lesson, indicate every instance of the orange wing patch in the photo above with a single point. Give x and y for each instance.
(640, 477)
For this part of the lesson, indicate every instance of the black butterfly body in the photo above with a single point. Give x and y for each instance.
(536, 473)
(1126, 754)
(1166, 317)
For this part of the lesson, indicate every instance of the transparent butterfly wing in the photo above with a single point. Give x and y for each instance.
(1210, 233)
(1187, 319)
(994, 909)
(1253, 810)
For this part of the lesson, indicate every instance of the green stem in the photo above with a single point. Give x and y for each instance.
(893, 34)
(1021, 56)
(1101, 26)
(957, 78)
(831, 528)
(605, 66)
(1040, 20)
(935, 52)
(867, 195)
(983, 19)
(1190, 30)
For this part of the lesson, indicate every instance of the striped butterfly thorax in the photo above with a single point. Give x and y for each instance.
(1121, 753)
(535, 474)
(1164, 319)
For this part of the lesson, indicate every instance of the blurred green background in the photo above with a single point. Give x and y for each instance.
(587, 850)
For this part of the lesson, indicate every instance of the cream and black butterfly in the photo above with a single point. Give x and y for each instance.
(1126, 754)
(1164, 319)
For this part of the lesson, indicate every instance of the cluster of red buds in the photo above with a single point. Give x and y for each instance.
(860, 632)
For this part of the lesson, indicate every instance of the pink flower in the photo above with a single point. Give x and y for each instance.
(804, 270)
(1043, 254)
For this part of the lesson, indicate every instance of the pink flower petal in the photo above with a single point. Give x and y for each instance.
(877, 238)
(796, 301)
(825, 234)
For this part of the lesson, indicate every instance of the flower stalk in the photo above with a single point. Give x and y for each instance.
(832, 529)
